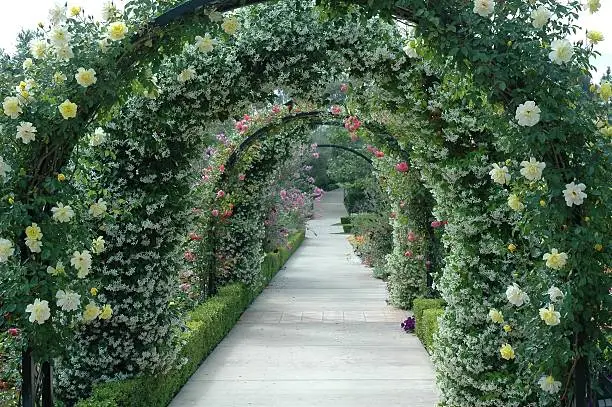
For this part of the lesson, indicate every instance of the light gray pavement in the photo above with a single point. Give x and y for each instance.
(321, 335)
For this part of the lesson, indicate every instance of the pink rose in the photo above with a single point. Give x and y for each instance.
(336, 110)
(411, 237)
(402, 167)
(13, 331)
(408, 253)
(220, 194)
(215, 212)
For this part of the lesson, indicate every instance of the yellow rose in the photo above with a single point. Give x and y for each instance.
(68, 109)
(75, 11)
(607, 131)
(33, 232)
(507, 328)
(550, 316)
(511, 247)
(117, 31)
(61, 177)
(59, 78)
(542, 203)
(11, 107)
(507, 352)
(598, 247)
(93, 291)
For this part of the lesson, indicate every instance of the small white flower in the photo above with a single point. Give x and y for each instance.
(81, 262)
(514, 202)
(562, 51)
(12, 107)
(97, 246)
(57, 14)
(108, 11)
(68, 300)
(186, 75)
(38, 48)
(516, 296)
(4, 168)
(574, 194)
(484, 8)
(555, 294)
(499, 174)
(26, 132)
(85, 77)
(62, 213)
(28, 63)
(540, 17)
(103, 44)
(532, 169)
(555, 260)
(39, 310)
(57, 270)
(98, 209)
(60, 37)
(594, 6)
(6, 250)
(215, 16)
(98, 137)
(549, 384)
(34, 245)
(205, 44)
(410, 51)
(528, 114)
(64, 53)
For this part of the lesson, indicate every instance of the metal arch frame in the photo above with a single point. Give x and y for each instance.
(350, 150)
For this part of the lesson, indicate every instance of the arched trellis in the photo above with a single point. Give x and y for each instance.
(377, 133)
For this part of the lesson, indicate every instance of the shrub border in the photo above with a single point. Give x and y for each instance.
(208, 324)
(426, 312)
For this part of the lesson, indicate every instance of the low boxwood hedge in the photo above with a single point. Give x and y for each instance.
(430, 327)
(419, 306)
(208, 324)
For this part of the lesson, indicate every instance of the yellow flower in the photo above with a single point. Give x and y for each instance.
(507, 328)
(607, 131)
(550, 316)
(11, 200)
(57, 270)
(106, 312)
(61, 177)
(28, 63)
(117, 31)
(97, 246)
(91, 312)
(605, 91)
(598, 247)
(68, 109)
(507, 352)
(514, 202)
(93, 291)
(231, 25)
(85, 77)
(595, 36)
(496, 316)
(511, 247)
(75, 11)
(33, 232)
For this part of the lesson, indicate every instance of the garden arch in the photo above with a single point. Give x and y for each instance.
(502, 76)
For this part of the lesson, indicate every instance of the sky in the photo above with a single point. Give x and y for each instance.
(27, 13)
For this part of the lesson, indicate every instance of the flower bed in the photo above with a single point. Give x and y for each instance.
(207, 325)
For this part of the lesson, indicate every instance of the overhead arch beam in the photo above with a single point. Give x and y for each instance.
(350, 150)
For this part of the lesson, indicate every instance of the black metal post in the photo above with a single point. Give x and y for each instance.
(47, 385)
(580, 382)
(28, 382)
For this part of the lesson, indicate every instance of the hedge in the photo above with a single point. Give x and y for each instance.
(430, 327)
(418, 308)
(208, 324)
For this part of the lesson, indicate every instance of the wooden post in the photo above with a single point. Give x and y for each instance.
(47, 385)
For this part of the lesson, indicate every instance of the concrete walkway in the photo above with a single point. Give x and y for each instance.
(320, 335)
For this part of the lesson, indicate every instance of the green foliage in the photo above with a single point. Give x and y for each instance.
(375, 231)
(206, 326)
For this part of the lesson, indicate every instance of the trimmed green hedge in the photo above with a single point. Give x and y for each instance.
(430, 327)
(418, 308)
(208, 324)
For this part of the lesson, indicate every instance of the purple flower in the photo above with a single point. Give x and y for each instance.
(409, 324)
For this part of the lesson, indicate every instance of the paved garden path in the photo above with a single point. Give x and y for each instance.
(320, 335)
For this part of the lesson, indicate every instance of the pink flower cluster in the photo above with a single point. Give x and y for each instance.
(377, 153)
(402, 167)
(352, 124)
(336, 110)
(242, 126)
(437, 223)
